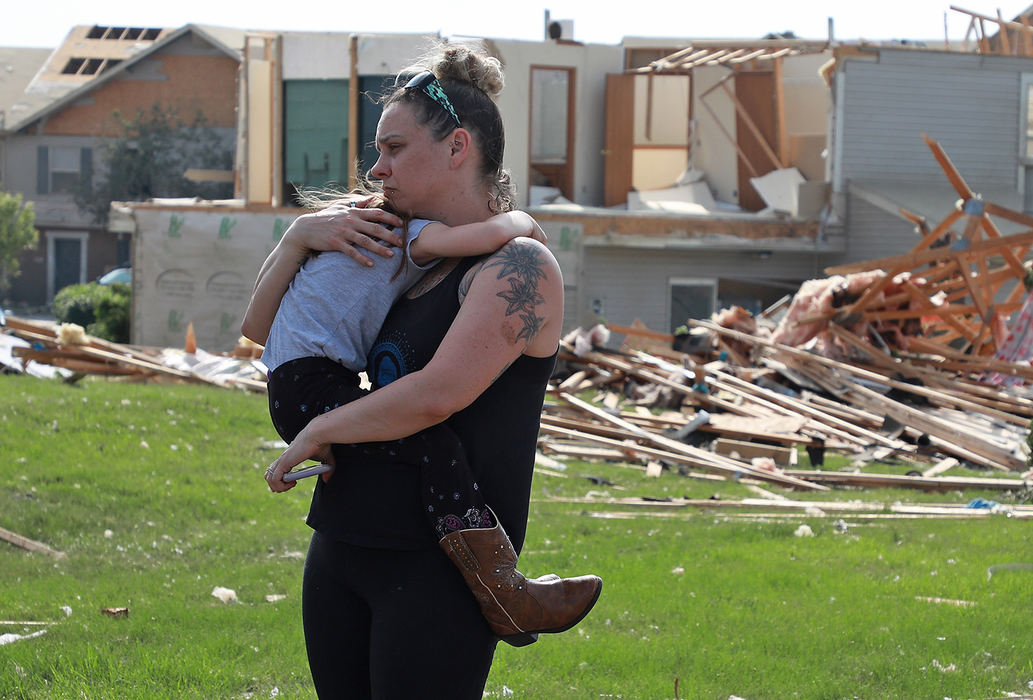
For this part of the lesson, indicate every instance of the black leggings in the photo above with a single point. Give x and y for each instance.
(301, 389)
(389, 624)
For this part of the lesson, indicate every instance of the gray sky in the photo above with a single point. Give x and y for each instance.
(45, 23)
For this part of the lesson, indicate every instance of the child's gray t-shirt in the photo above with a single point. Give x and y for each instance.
(335, 306)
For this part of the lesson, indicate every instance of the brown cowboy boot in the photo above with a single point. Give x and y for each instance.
(517, 608)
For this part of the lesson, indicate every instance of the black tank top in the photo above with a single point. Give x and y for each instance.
(373, 502)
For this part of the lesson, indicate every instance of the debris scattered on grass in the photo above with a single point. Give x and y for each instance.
(116, 612)
(1006, 567)
(945, 601)
(804, 531)
(11, 637)
(226, 595)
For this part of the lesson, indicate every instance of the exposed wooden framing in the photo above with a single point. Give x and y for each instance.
(916, 259)
(731, 139)
(781, 134)
(1023, 44)
(743, 113)
(353, 111)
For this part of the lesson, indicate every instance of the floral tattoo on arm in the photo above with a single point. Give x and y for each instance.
(522, 268)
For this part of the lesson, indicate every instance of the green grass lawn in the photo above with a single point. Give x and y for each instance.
(155, 495)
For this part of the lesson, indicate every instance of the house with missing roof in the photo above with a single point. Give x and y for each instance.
(53, 133)
(674, 177)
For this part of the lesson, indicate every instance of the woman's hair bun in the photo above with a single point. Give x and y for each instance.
(459, 62)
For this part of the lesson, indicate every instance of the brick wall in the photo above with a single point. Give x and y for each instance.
(189, 83)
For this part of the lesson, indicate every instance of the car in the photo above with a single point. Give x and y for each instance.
(119, 274)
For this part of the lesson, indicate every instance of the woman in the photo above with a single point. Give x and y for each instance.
(473, 344)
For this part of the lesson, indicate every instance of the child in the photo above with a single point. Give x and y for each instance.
(318, 343)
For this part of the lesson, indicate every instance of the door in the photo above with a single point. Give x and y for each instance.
(620, 128)
(757, 97)
(66, 262)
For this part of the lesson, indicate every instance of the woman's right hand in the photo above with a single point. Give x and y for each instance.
(348, 228)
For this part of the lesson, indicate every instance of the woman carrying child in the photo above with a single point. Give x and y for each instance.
(472, 344)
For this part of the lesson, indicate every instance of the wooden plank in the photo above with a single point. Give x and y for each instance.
(635, 449)
(913, 260)
(749, 450)
(940, 467)
(925, 392)
(29, 544)
(705, 459)
(939, 483)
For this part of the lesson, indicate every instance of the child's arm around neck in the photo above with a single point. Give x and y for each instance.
(440, 241)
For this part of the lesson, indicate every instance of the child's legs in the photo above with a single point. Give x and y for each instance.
(301, 389)
(452, 499)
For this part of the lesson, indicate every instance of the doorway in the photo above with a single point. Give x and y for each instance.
(66, 261)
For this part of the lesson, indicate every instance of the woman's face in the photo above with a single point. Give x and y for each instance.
(412, 165)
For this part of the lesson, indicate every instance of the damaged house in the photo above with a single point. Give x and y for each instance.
(53, 136)
(674, 177)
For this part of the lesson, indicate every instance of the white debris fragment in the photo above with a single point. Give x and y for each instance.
(804, 531)
(226, 595)
(11, 638)
(67, 610)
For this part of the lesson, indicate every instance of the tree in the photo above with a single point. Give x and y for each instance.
(17, 232)
(149, 158)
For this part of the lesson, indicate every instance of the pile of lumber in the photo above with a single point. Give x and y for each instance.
(949, 297)
(77, 354)
(714, 419)
(909, 358)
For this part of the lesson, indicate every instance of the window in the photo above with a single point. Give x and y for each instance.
(125, 33)
(60, 169)
(89, 66)
(64, 170)
(552, 132)
(691, 298)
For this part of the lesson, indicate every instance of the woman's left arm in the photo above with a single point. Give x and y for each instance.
(512, 306)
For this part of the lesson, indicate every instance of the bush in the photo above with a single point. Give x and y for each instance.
(76, 303)
(103, 310)
(112, 313)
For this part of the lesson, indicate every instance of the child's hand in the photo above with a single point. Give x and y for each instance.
(349, 229)
(525, 225)
(538, 233)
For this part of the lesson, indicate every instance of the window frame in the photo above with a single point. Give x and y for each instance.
(561, 175)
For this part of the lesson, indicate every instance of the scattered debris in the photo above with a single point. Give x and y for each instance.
(45, 349)
(226, 595)
(946, 601)
(1007, 567)
(10, 638)
(29, 545)
(116, 612)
